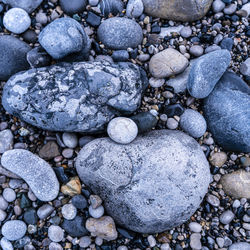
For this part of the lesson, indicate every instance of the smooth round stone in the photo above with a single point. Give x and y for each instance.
(218, 6)
(193, 123)
(218, 159)
(73, 6)
(195, 227)
(55, 233)
(213, 200)
(240, 246)
(16, 20)
(196, 50)
(9, 194)
(14, 229)
(6, 140)
(245, 67)
(55, 246)
(172, 123)
(186, 32)
(3, 215)
(226, 217)
(79, 201)
(75, 227)
(120, 33)
(41, 18)
(3, 203)
(156, 82)
(67, 153)
(167, 63)
(195, 242)
(227, 43)
(230, 9)
(134, 8)
(69, 211)
(27, 5)
(84, 241)
(122, 130)
(6, 244)
(44, 211)
(96, 212)
(120, 55)
(30, 36)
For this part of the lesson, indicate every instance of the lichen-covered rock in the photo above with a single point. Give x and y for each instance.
(153, 184)
(77, 97)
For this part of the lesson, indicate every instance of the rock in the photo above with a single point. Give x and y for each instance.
(9, 194)
(70, 140)
(85, 241)
(230, 9)
(134, 8)
(30, 216)
(172, 123)
(205, 73)
(36, 172)
(178, 173)
(195, 241)
(236, 184)
(226, 217)
(12, 56)
(218, 6)
(41, 18)
(156, 82)
(120, 33)
(227, 113)
(6, 140)
(69, 211)
(245, 67)
(75, 227)
(193, 123)
(28, 5)
(218, 159)
(167, 63)
(186, 32)
(95, 201)
(3, 215)
(213, 200)
(103, 227)
(30, 36)
(120, 55)
(196, 50)
(55, 246)
(73, 187)
(73, 6)
(63, 37)
(122, 130)
(195, 227)
(3, 203)
(49, 150)
(98, 91)
(174, 109)
(45, 211)
(181, 10)
(240, 245)
(5, 244)
(14, 229)
(96, 212)
(37, 57)
(170, 30)
(111, 6)
(227, 43)
(55, 233)
(79, 202)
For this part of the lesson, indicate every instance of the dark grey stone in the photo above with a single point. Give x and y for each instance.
(73, 6)
(120, 33)
(79, 201)
(111, 7)
(78, 97)
(63, 37)
(120, 55)
(151, 185)
(30, 216)
(28, 5)
(75, 227)
(38, 57)
(227, 43)
(227, 113)
(12, 56)
(206, 71)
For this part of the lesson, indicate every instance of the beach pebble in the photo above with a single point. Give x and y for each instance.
(186, 32)
(84, 241)
(96, 212)
(218, 159)
(69, 211)
(195, 227)
(55, 233)
(14, 229)
(245, 67)
(73, 6)
(3, 203)
(6, 140)
(196, 50)
(9, 194)
(226, 217)
(134, 8)
(6, 244)
(27, 5)
(45, 211)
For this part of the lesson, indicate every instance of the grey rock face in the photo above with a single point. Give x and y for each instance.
(178, 10)
(12, 56)
(28, 5)
(6, 140)
(120, 33)
(227, 113)
(34, 170)
(151, 185)
(206, 72)
(64, 36)
(80, 97)
(14, 229)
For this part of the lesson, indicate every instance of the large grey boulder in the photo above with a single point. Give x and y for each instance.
(178, 10)
(227, 113)
(153, 184)
(77, 97)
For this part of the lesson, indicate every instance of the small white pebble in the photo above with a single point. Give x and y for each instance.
(84, 241)
(69, 211)
(98, 241)
(9, 194)
(151, 241)
(96, 212)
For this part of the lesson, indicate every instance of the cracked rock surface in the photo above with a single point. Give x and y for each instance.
(146, 187)
(77, 97)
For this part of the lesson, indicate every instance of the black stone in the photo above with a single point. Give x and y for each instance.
(227, 43)
(62, 177)
(79, 201)
(75, 227)
(30, 216)
(38, 58)
(120, 55)
(25, 202)
(175, 109)
(93, 19)
(126, 233)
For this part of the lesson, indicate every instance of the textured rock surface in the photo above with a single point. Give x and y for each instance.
(240, 246)
(153, 184)
(14, 229)
(179, 10)
(227, 113)
(28, 5)
(206, 71)
(12, 56)
(80, 97)
(120, 33)
(36, 172)
(6, 140)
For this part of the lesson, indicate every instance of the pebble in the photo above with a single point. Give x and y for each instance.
(41, 18)
(55, 246)
(168, 62)
(220, 241)
(95, 201)
(79, 202)
(172, 123)
(75, 227)
(134, 8)
(49, 151)
(3, 203)
(30, 216)
(226, 217)
(227, 43)
(111, 7)
(73, 187)
(122, 130)
(45, 211)
(16, 20)
(69, 211)
(103, 227)
(67, 153)
(84, 140)
(15, 183)
(195, 227)
(6, 244)
(218, 6)
(186, 32)
(96, 212)
(151, 241)
(195, 241)
(218, 159)
(93, 2)
(236, 204)
(73, 6)
(27, 5)
(213, 200)
(14, 229)
(38, 57)
(230, 9)
(240, 246)
(120, 55)
(156, 82)
(3, 215)
(196, 50)
(193, 123)
(9, 194)
(165, 246)
(55, 233)
(245, 67)
(6, 140)
(84, 241)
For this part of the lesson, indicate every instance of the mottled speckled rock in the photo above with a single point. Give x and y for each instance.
(35, 171)
(227, 113)
(28, 5)
(153, 184)
(120, 33)
(178, 10)
(80, 97)
(14, 229)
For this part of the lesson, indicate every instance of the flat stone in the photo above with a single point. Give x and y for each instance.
(179, 177)
(240, 245)
(79, 201)
(120, 33)
(73, 6)
(14, 229)
(70, 139)
(179, 10)
(69, 211)
(205, 72)
(35, 171)
(96, 212)
(75, 227)
(168, 62)
(28, 5)
(227, 113)
(6, 140)
(236, 184)
(97, 91)
(9, 194)
(49, 150)
(12, 56)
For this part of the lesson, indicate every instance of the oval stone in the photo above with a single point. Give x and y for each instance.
(120, 33)
(14, 229)
(35, 171)
(151, 185)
